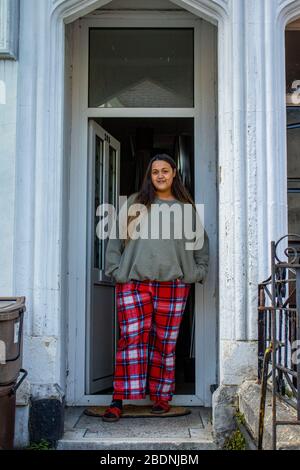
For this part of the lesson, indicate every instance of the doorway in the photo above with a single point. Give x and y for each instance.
(119, 153)
(128, 122)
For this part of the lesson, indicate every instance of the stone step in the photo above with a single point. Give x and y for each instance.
(188, 432)
(71, 442)
(288, 436)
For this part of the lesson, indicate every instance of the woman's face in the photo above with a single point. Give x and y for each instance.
(162, 175)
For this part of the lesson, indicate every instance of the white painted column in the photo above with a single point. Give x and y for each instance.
(253, 183)
(37, 263)
(233, 236)
(9, 38)
(252, 208)
(8, 87)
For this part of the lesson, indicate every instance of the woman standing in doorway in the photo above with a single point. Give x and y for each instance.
(153, 279)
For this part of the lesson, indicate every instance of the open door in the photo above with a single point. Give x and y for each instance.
(103, 187)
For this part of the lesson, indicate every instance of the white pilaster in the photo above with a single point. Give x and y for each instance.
(254, 211)
(37, 260)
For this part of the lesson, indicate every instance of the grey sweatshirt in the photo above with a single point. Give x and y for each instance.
(156, 259)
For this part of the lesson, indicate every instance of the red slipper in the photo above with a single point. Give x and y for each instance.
(112, 413)
(160, 406)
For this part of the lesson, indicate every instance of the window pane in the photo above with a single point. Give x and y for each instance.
(293, 130)
(141, 67)
(293, 142)
(112, 176)
(293, 169)
(294, 213)
(99, 180)
(293, 116)
(294, 185)
(292, 67)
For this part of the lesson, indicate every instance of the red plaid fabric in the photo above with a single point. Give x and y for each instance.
(149, 315)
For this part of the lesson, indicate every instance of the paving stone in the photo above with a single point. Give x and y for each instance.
(206, 416)
(200, 433)
(74, 435)
(72, 415)
(194, 419)
(135, 427)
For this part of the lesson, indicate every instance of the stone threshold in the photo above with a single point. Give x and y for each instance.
(189, 432)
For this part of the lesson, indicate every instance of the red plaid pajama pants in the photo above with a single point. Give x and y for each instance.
(149, 316)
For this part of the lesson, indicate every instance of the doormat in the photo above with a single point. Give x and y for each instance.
(138, 411)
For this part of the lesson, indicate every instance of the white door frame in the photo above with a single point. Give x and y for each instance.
(205, 138)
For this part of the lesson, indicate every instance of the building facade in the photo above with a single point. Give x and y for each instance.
(88, 91)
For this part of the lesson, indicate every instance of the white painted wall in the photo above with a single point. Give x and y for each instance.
(8, 103)
(251, 149)
(251, 165)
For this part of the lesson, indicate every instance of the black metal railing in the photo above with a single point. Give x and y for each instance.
(279, 334)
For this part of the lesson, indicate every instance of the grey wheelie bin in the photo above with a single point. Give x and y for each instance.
(11, 338)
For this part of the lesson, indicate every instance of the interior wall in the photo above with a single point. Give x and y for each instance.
(142, 138)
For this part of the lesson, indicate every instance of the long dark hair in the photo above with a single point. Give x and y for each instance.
(147, 193)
